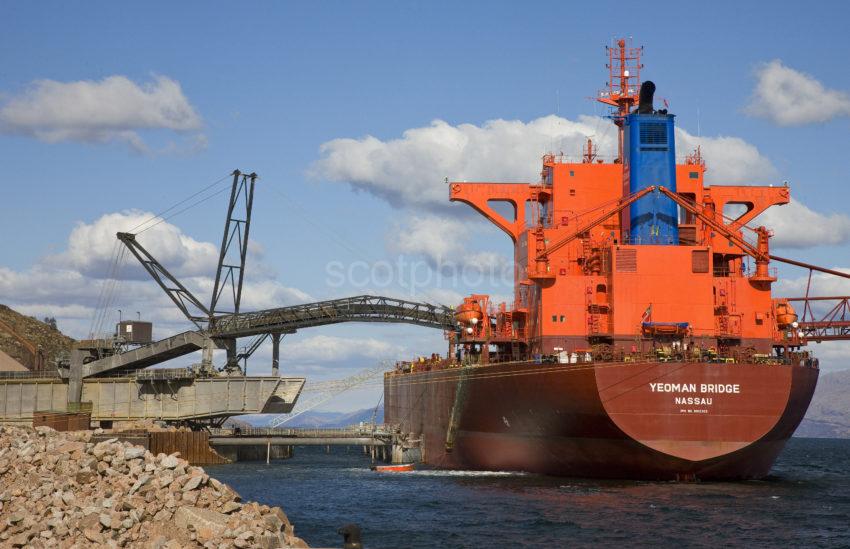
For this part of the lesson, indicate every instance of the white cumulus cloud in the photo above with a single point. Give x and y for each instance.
(797, 226)
(822, 284)
(788, 97)
(323, 348)
(91, 247)
(410, 171)
(729, 160)
(257, 294)
(442, 241)
(112, 109)
(70, 285)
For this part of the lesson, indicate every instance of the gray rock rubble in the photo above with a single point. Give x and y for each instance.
(61, 490)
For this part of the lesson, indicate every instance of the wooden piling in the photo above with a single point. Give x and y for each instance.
(194, 447)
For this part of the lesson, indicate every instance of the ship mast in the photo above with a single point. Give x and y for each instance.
(623, 84)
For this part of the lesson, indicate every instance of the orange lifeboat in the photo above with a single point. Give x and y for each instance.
(469, 310)
(670, 329)
(395, 468)
(785, 313)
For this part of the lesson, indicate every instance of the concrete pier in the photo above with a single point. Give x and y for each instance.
(144, 396)
(256, 452)
(259, 444)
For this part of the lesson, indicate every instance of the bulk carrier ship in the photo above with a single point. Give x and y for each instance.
(643, 341)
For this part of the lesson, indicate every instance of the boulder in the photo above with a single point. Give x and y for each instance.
(61, 490)
(170, 462)
(192, 483)
(206, 523)
(135, 452)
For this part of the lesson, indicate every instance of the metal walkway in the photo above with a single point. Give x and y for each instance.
(366, 435)
(142, 357)
(833, 321)
(364, 308)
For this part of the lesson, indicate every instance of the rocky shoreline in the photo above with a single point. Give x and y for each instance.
(62, 490)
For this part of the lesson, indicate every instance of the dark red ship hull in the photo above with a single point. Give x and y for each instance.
(663, 421)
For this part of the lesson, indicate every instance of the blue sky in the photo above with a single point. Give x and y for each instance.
(264, 85)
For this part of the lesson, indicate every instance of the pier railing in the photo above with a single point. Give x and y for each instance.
(42, 374)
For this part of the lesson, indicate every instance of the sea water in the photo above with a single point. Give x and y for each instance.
(805, 502)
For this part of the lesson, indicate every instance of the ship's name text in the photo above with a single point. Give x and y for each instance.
(714, 388)
(694, 401)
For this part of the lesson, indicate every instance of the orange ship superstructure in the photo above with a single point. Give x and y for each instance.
(643, 339)
(584, 279)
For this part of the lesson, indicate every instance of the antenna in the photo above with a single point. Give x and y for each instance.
(623, 83)
(699, 131)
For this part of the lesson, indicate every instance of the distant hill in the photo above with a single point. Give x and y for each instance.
(43, 336)
(829, 413)
(328, 420)
(233, 422)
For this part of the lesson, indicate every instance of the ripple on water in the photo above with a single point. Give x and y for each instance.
(465, 474)
(805, 502)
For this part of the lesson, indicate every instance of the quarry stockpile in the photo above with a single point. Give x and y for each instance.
(61, 490)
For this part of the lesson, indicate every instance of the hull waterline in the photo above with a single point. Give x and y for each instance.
(662, 421)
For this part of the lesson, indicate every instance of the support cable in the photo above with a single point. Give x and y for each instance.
(328, 391)
(110, 288)
(178, 212)
(102, 293)
(165, 211)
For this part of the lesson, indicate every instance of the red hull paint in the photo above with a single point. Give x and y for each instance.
(609, 420)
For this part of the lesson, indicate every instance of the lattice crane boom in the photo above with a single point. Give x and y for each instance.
(176, 291)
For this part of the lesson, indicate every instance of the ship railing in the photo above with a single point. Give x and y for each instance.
(165, 374)
(771, 271)
(583, 358)
(562, 158)
(637, 241)
(156, 374)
